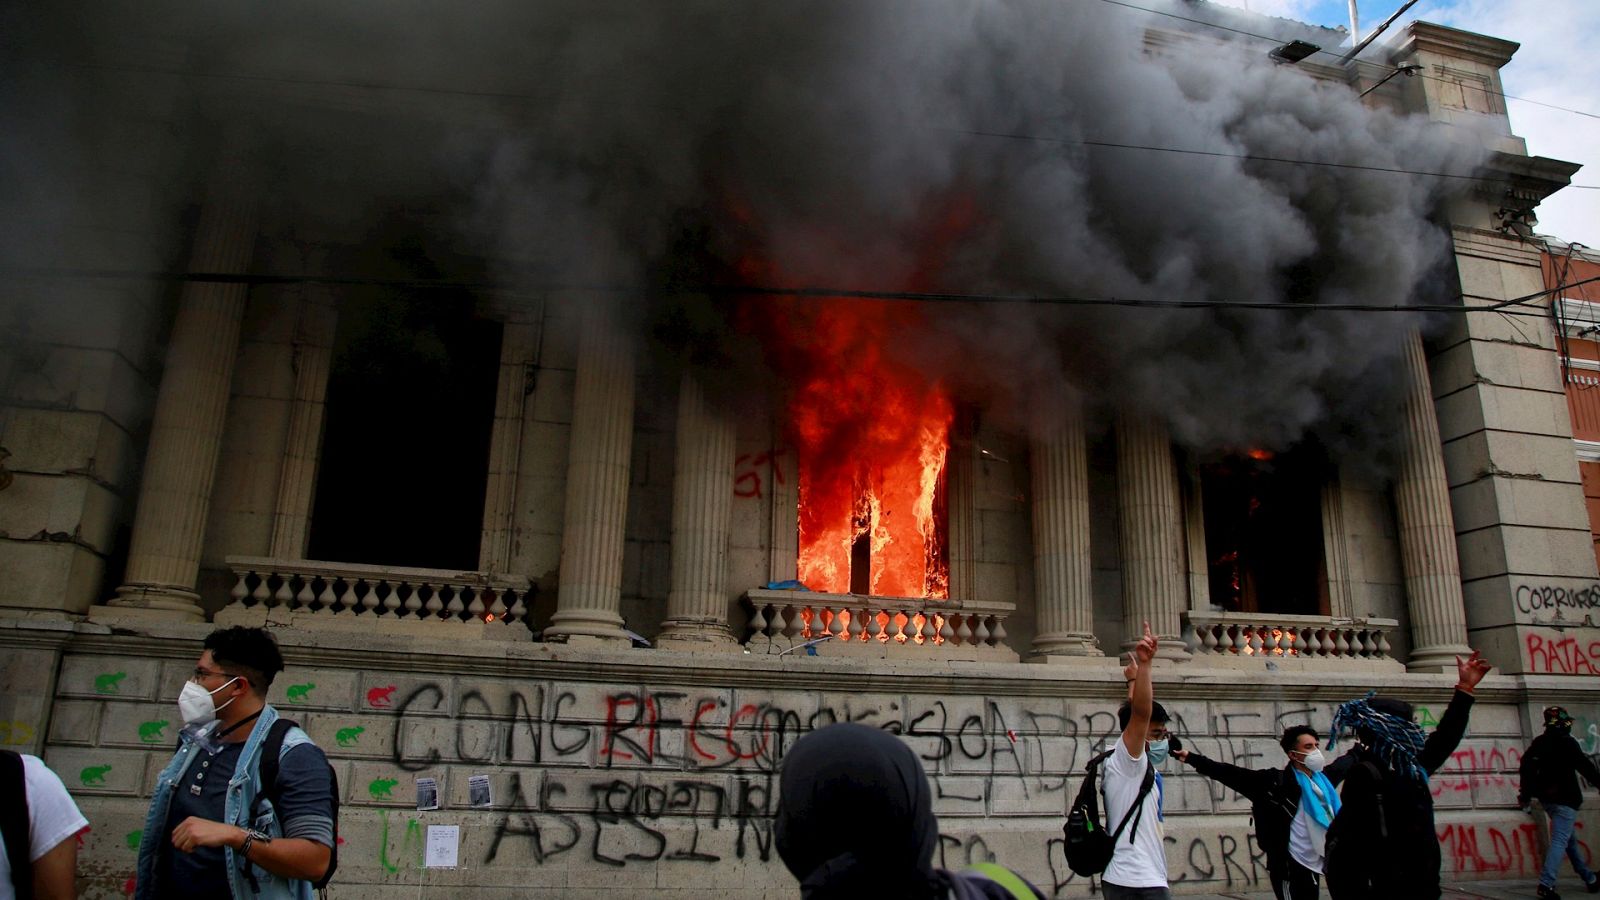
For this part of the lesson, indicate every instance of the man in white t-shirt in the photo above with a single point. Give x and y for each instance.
(1138, 869)
(53, 821)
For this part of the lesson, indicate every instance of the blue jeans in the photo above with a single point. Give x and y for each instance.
(1563, 839)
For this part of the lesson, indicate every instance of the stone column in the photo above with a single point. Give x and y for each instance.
(1058, 459)
(702, 509)
(297, 478)
(1427, 531)
(1150, 520)
(186, 434)
(519, 350)
(589, 602)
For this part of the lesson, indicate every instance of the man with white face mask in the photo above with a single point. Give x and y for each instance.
(1292, 807)
(211, 833)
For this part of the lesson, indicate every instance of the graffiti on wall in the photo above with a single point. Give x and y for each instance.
(1558, 654)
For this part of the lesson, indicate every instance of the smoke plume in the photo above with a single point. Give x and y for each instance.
(945, 146)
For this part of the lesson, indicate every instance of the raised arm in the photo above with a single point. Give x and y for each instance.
(1453, 724)
(1140, 694)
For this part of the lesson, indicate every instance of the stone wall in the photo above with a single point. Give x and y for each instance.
(643, 773)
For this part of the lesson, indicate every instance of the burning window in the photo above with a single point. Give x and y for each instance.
(871, 432)
(1263, 521)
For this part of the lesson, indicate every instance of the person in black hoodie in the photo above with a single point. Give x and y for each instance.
(855, 819)
(1383, 844)
(1291, 821)
(1549, 774)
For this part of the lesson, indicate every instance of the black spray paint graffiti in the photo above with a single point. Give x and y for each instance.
(623, 821)
(1531, 598)
(698, 784)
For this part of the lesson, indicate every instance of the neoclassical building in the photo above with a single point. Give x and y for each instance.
(502, 533)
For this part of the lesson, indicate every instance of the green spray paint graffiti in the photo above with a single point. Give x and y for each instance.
(380, 788)
(299, 693)
(106, 682)
(410, 851)
(1425, 718)
(93, 775)
(134, 838)
(151, 732)
(349, 736)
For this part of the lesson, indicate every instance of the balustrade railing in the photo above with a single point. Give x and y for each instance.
(1269, 636)
(406, 599)
(878, 626)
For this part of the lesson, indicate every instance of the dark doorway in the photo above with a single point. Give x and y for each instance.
(406, 448)
(1263, 521)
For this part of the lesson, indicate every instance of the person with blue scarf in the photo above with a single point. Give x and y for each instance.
(1382, 843)
(1292, 807)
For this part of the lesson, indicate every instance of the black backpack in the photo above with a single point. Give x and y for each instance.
(14, 822)
(271, 749)
(1089, 848)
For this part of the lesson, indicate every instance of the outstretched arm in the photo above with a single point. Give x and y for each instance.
(1249, 783)
(1140, 694)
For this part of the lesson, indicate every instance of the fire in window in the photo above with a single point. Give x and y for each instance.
(871, 433)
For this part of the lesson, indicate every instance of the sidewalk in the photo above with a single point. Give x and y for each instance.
(1569, 886)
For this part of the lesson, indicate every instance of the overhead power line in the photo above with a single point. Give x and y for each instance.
(1494, 305)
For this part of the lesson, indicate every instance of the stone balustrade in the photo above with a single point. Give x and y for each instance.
(1223, 636)
(878, 626)
(437, 602)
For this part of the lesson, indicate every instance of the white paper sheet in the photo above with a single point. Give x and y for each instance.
(443, 847)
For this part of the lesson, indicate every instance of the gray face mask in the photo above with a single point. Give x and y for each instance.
(1158, 751)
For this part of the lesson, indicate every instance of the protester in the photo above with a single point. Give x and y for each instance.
(855, 819)
(39, 824)
(1292, 808)
(1382, 843)
(1138, 869)
(206, 836)
(1549, 774)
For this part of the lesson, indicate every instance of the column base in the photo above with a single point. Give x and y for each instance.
(1439, 658)
(697, 636)
(143, 604)
(586, 628)
(1066, 644)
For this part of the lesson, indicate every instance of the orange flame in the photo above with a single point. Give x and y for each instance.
(871, 436)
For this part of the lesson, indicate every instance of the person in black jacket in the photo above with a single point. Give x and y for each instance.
(1549, 774)
(1291, 821)
(1383, 844)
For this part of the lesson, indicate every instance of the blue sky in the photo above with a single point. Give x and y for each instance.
(1558, 65)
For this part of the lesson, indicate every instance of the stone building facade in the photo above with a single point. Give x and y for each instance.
(170, 467)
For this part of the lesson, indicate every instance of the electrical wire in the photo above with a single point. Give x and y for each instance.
(1250, 157)
(510, 95)
(757, 290)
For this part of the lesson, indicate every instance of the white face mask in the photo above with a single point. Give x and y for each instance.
(1314, 760)
(196, 705)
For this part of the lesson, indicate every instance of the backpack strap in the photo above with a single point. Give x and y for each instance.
(15, 823)
(271, 749)
(1006, 878)
(1136, 811)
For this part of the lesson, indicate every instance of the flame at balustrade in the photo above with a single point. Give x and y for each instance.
(871, 433)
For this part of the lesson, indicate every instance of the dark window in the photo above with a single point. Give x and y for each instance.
(1263, 521)
(406, 447)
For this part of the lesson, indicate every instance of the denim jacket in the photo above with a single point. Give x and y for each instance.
(240, 799)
